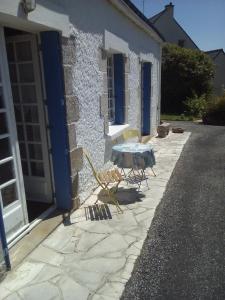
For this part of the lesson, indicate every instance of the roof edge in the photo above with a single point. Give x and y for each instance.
(215, 50)
(130, 10)
(160, 14)
(156, 17)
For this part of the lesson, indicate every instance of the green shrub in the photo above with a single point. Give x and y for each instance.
(185, 73)
(217, 104)
(196, 106)
(215, 112)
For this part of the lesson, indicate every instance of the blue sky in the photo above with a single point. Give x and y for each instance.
(203, 20)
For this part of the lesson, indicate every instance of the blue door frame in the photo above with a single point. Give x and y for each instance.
(146, 98)
(54, 85)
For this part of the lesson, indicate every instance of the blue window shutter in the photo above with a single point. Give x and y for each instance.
(54, 85)
(119, 86)
(146, 98)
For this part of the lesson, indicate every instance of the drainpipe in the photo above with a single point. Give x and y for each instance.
(4, 253)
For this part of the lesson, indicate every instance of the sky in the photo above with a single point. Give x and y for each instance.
(203, 20)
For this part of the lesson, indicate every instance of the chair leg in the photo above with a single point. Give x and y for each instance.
(115, 201)
(123, 172)
(153, 172)
(145, 177)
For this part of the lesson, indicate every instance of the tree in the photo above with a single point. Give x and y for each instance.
(185, 73)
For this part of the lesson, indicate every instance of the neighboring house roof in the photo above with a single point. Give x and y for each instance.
(214, 53)
(152, 20)
(142, 17)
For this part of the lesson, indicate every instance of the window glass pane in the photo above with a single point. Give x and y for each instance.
(110, 79)
(28, 94)
(15, 94)
(3, 123)
(18, 113)
(35, 151)
(23, 51)
(26, 72)
(20, 132)
(10, 52)
(25, 168)
(12, 73)
(9, 194)
(23, 152)
(6, 172)
(31, 114)
(1, 98)
(37, 169)
(5, 149)
(33, 133)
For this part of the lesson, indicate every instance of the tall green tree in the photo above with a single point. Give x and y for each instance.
(185, 73)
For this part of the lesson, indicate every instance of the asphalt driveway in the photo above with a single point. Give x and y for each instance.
(183, 256)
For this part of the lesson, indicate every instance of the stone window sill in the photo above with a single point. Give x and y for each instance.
(116, 130)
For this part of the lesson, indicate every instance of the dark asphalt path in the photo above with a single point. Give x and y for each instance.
(183, 256)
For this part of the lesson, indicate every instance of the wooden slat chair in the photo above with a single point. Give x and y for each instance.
(131, 134)
(104, 179)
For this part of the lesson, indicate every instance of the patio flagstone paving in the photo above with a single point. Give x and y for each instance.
(93, 259)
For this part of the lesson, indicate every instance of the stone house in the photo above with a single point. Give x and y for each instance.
(171, 30)
(218, 58)
(74, 74)
(173, 33)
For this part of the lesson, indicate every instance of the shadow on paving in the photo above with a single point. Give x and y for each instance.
(183, 256)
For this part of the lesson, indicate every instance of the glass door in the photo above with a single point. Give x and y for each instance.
(12, 196)
(30, 117)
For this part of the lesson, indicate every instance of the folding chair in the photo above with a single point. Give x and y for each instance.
(130, 134)
(104, 179)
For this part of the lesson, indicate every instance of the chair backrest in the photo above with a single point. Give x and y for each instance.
(94, 171)
(130, 134)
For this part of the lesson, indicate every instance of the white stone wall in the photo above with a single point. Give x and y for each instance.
(89, 20)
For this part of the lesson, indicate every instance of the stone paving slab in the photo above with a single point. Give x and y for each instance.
(93, 259)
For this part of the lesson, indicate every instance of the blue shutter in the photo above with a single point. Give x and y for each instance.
(146, 98)
(119, 84)
(54, 85)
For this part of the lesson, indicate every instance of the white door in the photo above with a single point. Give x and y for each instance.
(12, 196)
(25, 78)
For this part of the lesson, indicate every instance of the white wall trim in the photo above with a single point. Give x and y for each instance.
(113, 43)
(116, 130)
(126, 10)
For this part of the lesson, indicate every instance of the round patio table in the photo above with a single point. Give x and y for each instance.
(134, 156)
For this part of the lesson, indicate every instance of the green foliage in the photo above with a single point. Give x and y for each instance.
(215, 112)
(181, 117)
(185, 73)
(196, 106)
(216, 104)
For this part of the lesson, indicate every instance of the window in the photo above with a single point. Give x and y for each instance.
(181, 43)
(110, 82)
(116, 88)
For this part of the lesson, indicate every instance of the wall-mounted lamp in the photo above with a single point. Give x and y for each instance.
(29, 5)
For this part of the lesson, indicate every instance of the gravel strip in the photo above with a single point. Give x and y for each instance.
(183, 256)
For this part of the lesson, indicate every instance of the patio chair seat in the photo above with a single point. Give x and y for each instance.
(111, 176)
